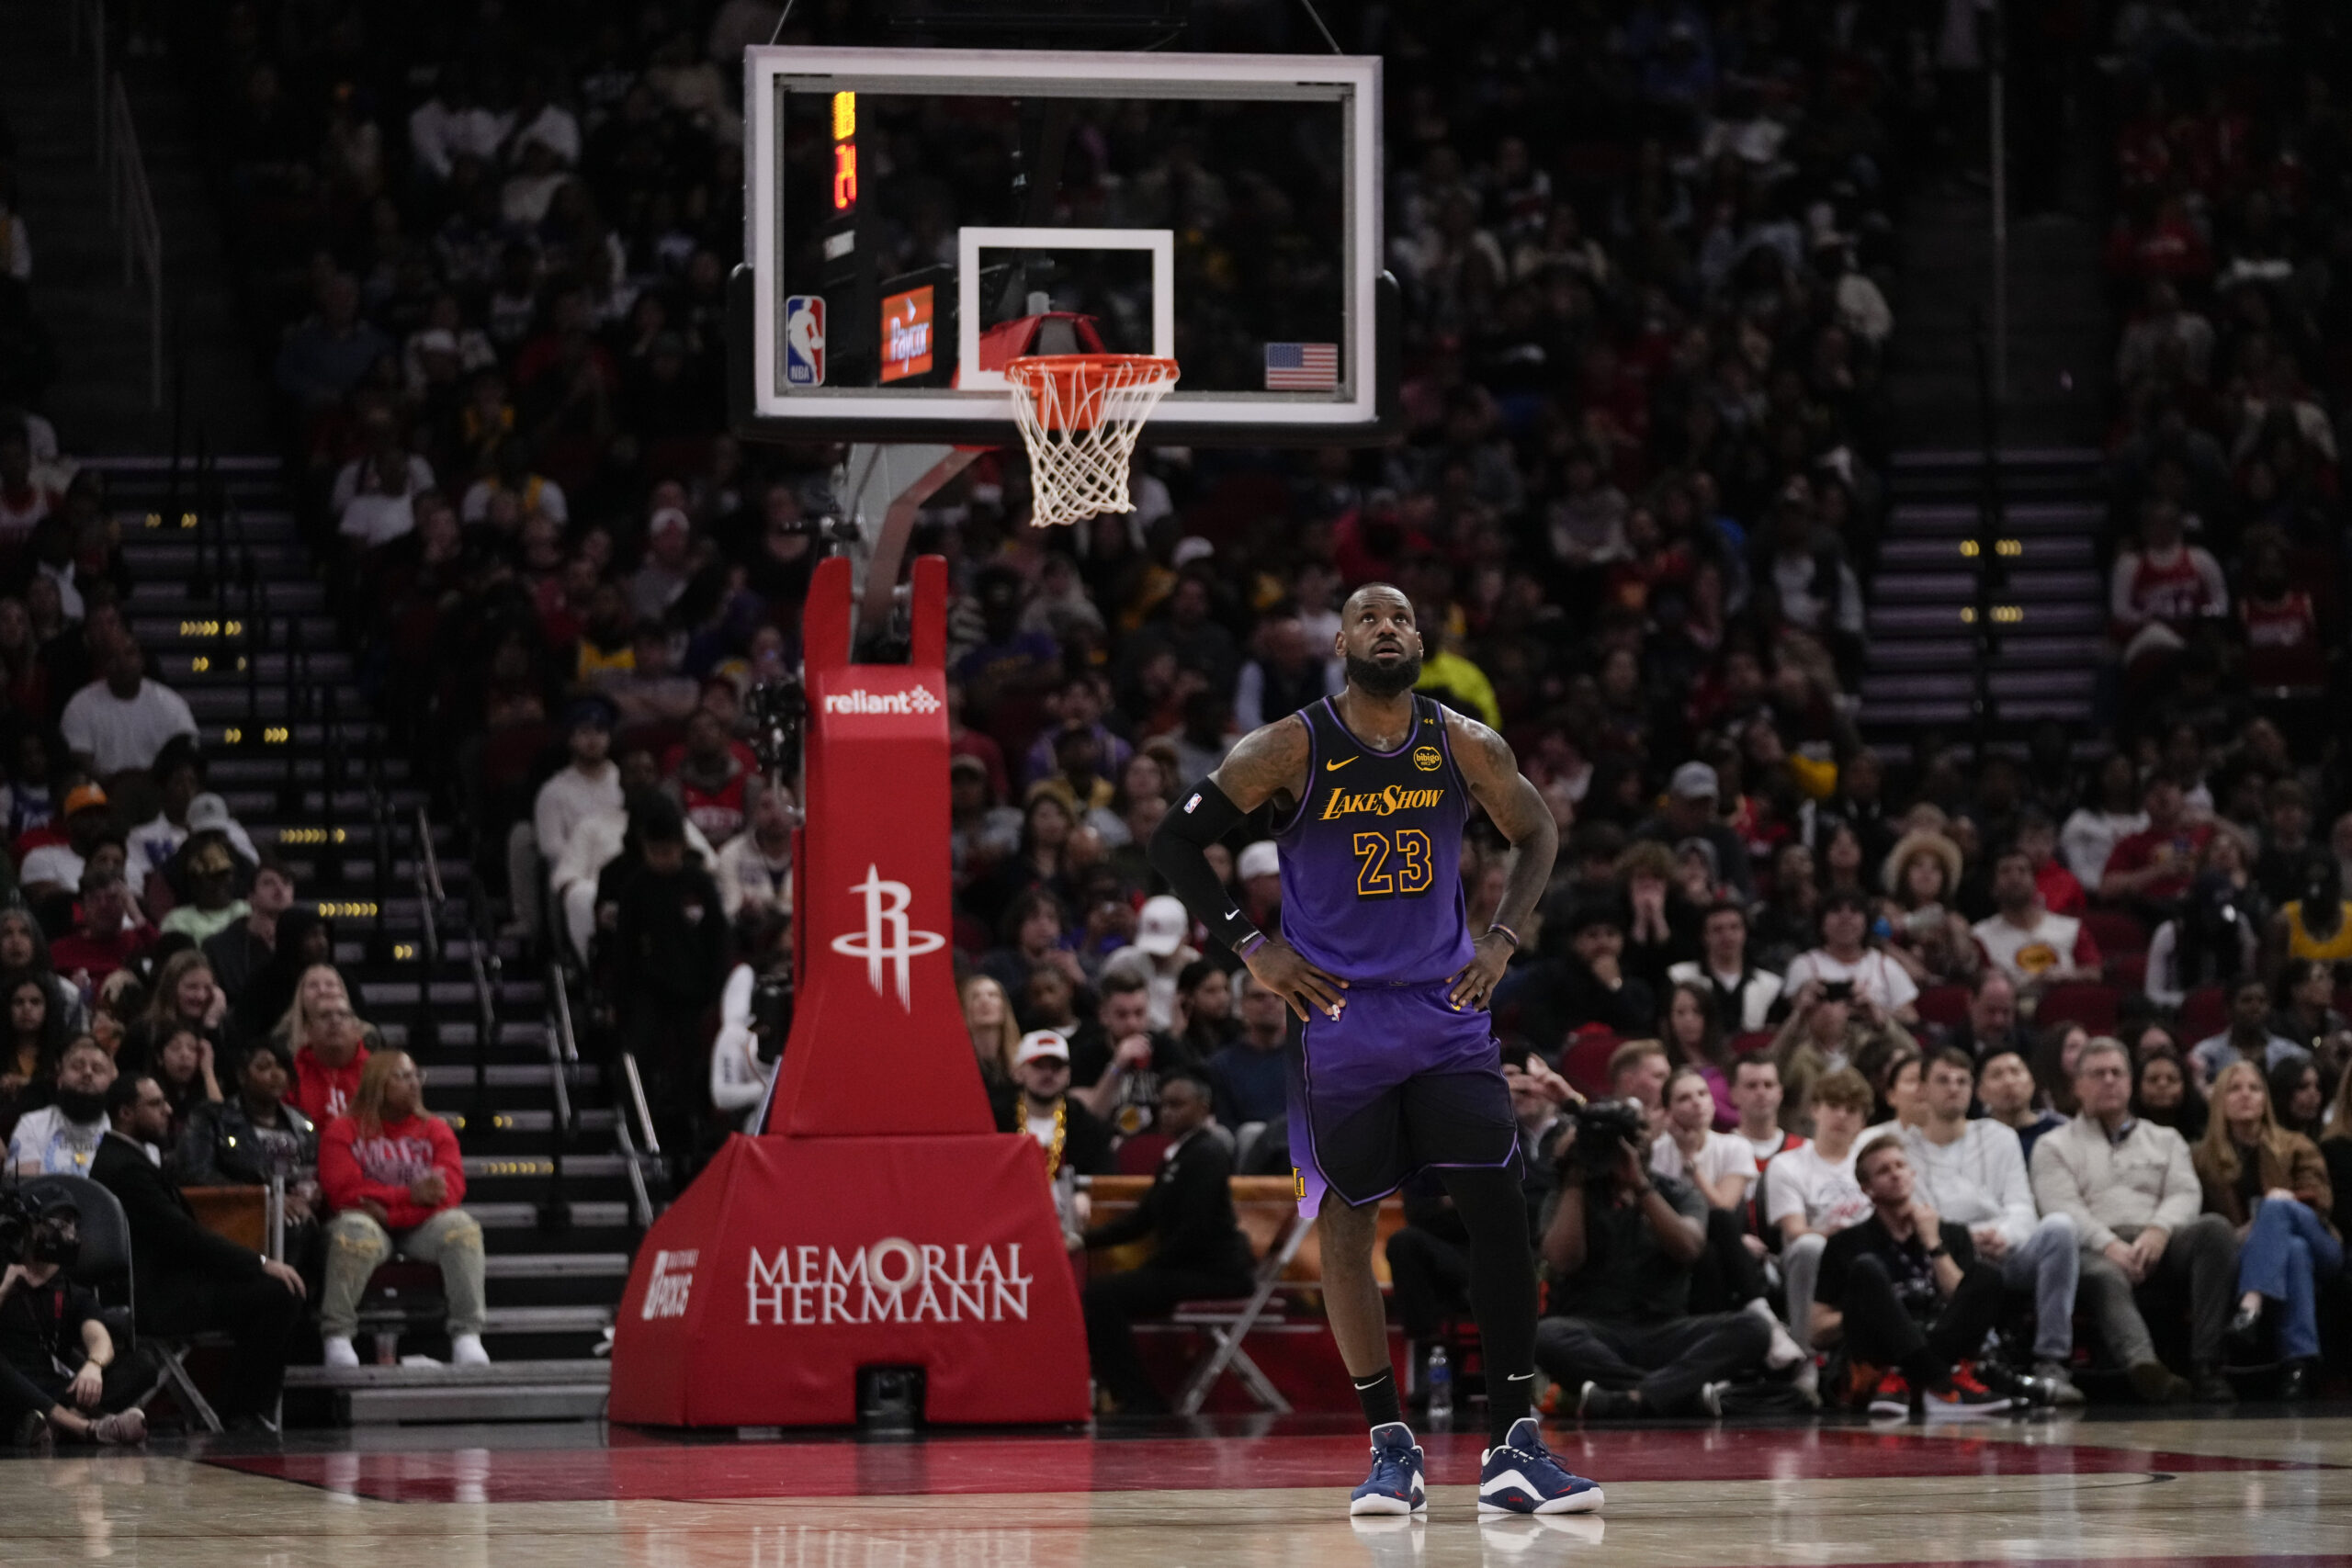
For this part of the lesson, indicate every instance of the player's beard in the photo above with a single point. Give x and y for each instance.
(1374, 679)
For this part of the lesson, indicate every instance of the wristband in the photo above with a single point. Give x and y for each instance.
(1250, 944)
(1508, 934)
(1939, 1250)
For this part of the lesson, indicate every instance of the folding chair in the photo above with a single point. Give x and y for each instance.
(1230, 1322)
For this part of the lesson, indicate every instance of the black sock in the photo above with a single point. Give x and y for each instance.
(1378, 1396)
(1502, 1289)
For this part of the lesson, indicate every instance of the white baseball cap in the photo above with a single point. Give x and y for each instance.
(1162, 927)
(1038, 1043)
(1260, 859)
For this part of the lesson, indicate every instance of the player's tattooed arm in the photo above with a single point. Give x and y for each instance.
(1268, 763)
(1518, 812)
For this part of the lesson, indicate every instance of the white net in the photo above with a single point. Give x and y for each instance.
(1079, 415)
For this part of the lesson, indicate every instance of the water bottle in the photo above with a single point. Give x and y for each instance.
(1441, 1385)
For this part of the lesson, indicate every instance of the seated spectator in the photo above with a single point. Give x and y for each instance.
(184, 1067)
(392, 1177)
(2164, 1092)
(1843, 955)
(2307, 1014)
(1549, 999)
(326, 1041)
(122, 722)
(754, 869)
(208, 868)
(179, 772)
(1991, 1023)
(2272, 1187)
(58, 1364)
(2062, 891)
(990, 1020)
(1694, 1039)
(2005, 1086)
(2151, 869)
(24, 955)
(1248, 1078)
(2131, 1190)
(651, 690)
(588, 785)
(1689, 811)
(241, 950)
(1743, 995)
(2213, 936)
(1905, 1288)
(107, 937)
(53, 869)
(255, 1134)
(2287, 842)
(1756, 1092)
(2160, 591)
(1201, 1252)
(1620, 1340)
(1719, 1165)
(2247, 1037)
(2298, 1097)
(2022, 938)
(1073, 1137)
(595, 845)
(1158, 956)
(2335, 1139)
(1204, 1018)
(36, 1037)
(183, 996)
(1973, 1173)
(1831, 1025)
(2316, 924)
(711, 774)
(1810, 1193)
(745, 1053)
(1929, 938)
(61, 1137)
(188, 1280)
(301, 941)
(1117, 1059)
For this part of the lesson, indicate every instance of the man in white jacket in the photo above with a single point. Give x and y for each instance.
(2133, 1193)
(1973, 1174)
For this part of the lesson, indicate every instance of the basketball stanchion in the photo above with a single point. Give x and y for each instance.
(881, 1231)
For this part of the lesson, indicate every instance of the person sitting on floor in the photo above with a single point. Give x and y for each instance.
(1202, 1253)
(1906, 1291)
(1620, 1243)
(392, 1174)
(58, 1368)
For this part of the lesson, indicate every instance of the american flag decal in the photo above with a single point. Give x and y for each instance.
(1302, 366)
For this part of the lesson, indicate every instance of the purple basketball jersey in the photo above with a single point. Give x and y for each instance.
(1372, 861)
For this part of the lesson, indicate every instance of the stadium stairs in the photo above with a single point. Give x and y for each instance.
(304, 765)
(1943, 574)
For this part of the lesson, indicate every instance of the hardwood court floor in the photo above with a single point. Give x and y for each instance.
(2255, 1489)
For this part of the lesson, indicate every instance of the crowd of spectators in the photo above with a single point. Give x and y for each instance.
(1642, 249)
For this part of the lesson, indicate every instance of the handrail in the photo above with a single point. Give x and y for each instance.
(640, 1200)
(131, 205)
(429, 897)
(637, 1098)
(1992, 526)
(485, 998)
(88, 20)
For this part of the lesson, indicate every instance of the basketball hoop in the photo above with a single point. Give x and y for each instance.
(1079, 415)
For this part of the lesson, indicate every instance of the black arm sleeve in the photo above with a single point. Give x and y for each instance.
(1180, 853)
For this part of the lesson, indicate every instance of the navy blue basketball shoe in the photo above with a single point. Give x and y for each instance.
(1394, 1485)
(1520, 1476)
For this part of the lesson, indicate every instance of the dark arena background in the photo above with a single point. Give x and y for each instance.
(608, 611)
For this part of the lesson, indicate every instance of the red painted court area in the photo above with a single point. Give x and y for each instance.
(959, 1466)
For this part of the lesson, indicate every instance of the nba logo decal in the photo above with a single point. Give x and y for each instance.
(1428, 758)
(804, 340)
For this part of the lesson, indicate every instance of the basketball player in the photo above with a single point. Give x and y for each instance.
(1398, 1069)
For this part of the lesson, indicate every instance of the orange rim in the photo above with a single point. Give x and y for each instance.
(1070, 376)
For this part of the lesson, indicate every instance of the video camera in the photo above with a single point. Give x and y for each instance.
(1601, 1127)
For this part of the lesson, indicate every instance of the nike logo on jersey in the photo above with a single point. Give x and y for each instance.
(1335, 767)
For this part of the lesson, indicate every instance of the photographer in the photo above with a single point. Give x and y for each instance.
(1620, 1244)
(57, 1360)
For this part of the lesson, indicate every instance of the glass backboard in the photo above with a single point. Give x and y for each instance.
(916, 217)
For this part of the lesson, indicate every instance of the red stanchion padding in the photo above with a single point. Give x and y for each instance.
(792, 1262)
(879, 1044)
